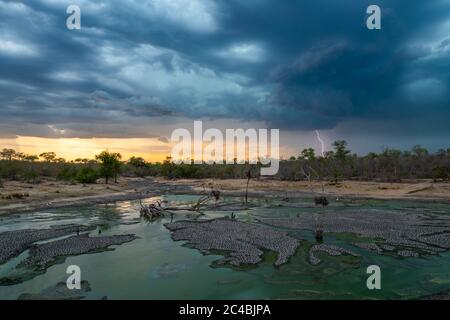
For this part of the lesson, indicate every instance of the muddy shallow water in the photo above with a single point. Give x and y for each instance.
(154, 266)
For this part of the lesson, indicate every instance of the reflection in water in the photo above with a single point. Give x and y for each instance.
(156, 267)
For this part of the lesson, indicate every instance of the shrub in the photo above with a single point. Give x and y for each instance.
(67, 174)
(9, 170)
(87, 175)
(440, 173)
(31, 176)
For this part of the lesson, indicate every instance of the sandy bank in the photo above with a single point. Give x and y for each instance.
(423, 190)
(17, 197)
(54, 194)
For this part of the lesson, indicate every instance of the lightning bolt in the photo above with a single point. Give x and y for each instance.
(321, 142)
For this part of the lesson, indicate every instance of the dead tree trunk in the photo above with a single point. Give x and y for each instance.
(249, 176)
(318, 200)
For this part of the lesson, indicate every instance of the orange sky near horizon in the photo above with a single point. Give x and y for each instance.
(151, 149)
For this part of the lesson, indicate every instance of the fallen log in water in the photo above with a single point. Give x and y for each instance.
(152, 211)
(156, 210)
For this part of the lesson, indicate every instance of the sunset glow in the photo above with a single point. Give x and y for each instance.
(150, 149)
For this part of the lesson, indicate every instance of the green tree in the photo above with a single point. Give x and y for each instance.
(441, 153)
(440, 173)
(137, 162)
(87, 175)
(167, 168)
(139, 165)
(372, 155)
(329, 155)
(308, 154)
(109, 164)
(419, 151)
(31, 176)
(340, 150)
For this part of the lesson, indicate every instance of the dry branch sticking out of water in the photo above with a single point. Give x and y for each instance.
(242, 241)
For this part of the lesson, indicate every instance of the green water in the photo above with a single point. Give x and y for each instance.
(156, 267)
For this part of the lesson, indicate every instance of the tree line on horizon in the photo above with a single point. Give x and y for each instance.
(390, 165)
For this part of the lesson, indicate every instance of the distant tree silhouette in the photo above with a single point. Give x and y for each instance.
(8, 154)
(340, 150)
(419, 151)
(137, 162)
(48, 156)
(31, 158)
(308, 154)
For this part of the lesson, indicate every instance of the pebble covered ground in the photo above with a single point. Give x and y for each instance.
(413, 233)
(243, 242)
(13, 243)
(41, 256)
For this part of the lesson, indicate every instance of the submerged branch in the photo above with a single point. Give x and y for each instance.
(155, 210)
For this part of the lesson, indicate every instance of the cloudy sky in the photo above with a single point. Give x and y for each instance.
(138, 69)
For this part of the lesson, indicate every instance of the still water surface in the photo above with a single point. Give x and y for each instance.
(156, 267)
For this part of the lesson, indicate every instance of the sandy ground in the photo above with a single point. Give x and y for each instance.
(416, 190)
(20, 197)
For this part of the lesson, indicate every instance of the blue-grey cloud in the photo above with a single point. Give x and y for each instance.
(293, 65)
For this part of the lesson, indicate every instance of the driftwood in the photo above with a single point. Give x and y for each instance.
(156, 209)
(249, 176)
(153, 210)
(213, 195)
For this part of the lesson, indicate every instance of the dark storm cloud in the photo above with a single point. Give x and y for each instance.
(297, 65)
